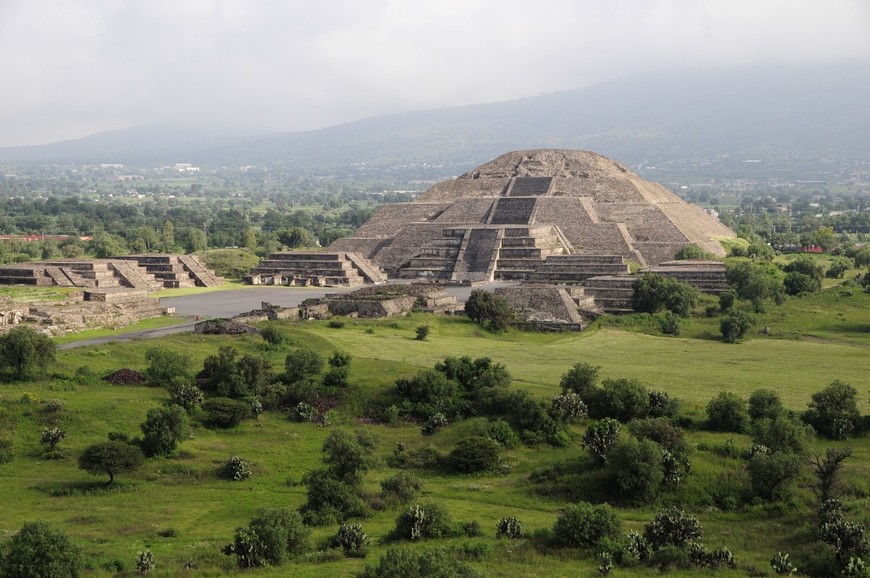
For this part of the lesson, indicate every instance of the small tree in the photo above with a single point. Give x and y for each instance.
(348, 456)
(423, 521)
(773, 474)
(302, 364)
(622, 399)
(583, 524)
(474, 454)
(186, 395)
(637, 469)
(52, 436)
(828, 469)
(600, 436)
(145, 562)
(39, 551)
(833, 412)
(163, 428)
(25, 351)
(111, 457)
(735, 325)
(581, 379)
(352, 539)
(224, 412)
(672, 527)
(509, 527)
(273, 536)
(764, 403)
(422, 332)
(488, 311)
(727, 412)
(166, 367)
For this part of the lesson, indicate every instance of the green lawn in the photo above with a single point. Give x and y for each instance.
(184, 493)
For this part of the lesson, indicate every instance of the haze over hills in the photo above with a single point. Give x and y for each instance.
(794, 116)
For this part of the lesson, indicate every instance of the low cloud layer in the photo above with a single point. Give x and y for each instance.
(74, 67)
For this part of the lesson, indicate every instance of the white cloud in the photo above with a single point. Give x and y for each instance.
(73, 67)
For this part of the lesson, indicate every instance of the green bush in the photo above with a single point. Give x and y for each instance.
(7, 452)
(302, 364)
(509, 527)
(764, 403)
(39, 551)
(735, 325)
(423, 521)
(474, 454)
(272, 537)
(581, 379)
(727, 412)
(600, 436)
(349, 455)
(672, 527)
(422, 332)
(331, 500)
(653, 293)
(585, 525)
(224, 412)
(783, 434)
(236, 469)
(352, 539)
(488, 311)
(25, 352)
(166, 367)
(773, 475)
(622, 399)
(503, 434)
(833, 411)
(401, 488)
(402, 563)
(637, 469)
(163, 428)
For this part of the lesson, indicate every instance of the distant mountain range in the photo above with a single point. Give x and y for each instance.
(795, 116)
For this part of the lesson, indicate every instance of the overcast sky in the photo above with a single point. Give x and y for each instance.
(70, 68)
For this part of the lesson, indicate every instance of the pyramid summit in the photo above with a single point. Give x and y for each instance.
(527, 213)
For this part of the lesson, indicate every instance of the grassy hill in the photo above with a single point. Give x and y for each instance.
(181, 510)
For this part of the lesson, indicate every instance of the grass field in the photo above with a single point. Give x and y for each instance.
(812, 342)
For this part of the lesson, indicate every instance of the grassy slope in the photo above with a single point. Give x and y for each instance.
(183, 493)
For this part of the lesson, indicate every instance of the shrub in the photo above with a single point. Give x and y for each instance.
(186, 395)
(568, 406)
(726, 300)
(600, 436)
(503, 434)
(166, 367)
(348, 455)
(25, 352)
(474, 454)
(236, 468)
(781, 564)
(509, 527)
(401, 488)
(622, 399)
(301, 364)
(783, 434)
(428, 386)
(727, 412)
(273, 536)
(352, 539)
(669, 323)
(422, 332)
(773, 475)
(111, 457)
(583, 524)
(336, 377)
(162, 429)
(735, 325)
(833, 412)
(7, 452)
(272, 335)
(764, 403)
(400, 563)
(637, 469)
(145, 562)
(224, 412)
(488, 311)
(797, 283)
(692, 251)
(434, 424)
(473, 375)
(39, 551)
(423, 521)
(663, 432)
(671, 527)
(581, 379)
(331, 500)
(52, 436)
(653, 292)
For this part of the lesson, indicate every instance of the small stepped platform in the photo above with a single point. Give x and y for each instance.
(202, 275)
(575, 269)
(707, 276)
(173, 271)
(523, 251)
(316, 268)
(611, 292)
(438, 258)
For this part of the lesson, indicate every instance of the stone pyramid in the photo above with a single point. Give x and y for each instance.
(507, 217)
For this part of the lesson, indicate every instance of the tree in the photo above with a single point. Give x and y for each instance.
(654, 292)
(25, 351)
(754, 282)
(273, 536)
(600, 436)
(623, 399)
(39, 551)
(764, 403)
(636, 468)
(727, 412)
(296, 237)
(348, 456)
(581, 379)
(773, 474)
(111, 457)
(833, 412)
(803, 275)
(828, 470)
(488, 311)
(301, 364)
(583, 524)
(735, 325)
(166, 367)
(163, 428)
(474, 454)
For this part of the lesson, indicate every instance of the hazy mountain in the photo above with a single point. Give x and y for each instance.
(775, 114)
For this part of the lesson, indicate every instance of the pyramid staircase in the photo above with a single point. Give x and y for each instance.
(524, 249)
(316, 268)
(574, 269)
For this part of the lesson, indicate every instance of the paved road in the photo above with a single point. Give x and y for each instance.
(235, 301)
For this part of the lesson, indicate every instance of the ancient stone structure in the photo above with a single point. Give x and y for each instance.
(550, 307)
(546, 215)
(149, 272)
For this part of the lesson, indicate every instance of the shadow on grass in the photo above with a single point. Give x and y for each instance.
(61, 490)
